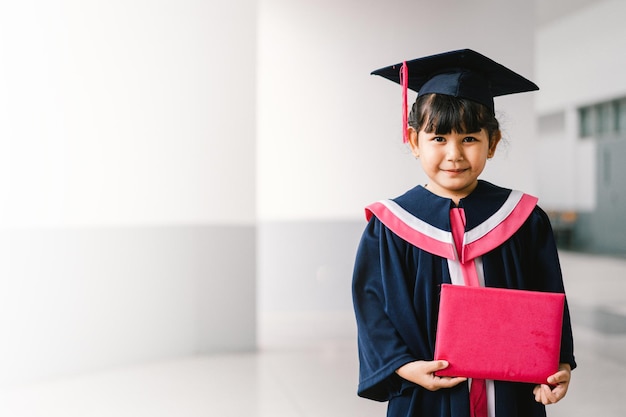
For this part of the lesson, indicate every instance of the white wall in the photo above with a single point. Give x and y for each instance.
(121, 112)
(577, 57)
(127, 160)
(578, 62)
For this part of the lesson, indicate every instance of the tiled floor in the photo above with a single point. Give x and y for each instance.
(317, 378)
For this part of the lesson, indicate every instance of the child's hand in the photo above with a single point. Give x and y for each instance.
(559, 382)
(423, 373)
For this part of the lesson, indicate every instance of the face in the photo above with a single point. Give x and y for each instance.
(453, 161)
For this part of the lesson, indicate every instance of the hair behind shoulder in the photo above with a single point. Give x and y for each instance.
(442, 114)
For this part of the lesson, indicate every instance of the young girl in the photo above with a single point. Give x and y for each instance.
(420, 240)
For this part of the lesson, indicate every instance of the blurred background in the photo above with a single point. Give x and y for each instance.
(182, 187)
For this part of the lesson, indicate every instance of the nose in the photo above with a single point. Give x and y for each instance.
(454, 152)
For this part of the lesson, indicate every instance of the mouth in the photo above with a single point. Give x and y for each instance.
(455, 171)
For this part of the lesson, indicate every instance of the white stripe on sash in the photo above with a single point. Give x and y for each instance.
(495, 219)
(416, 223)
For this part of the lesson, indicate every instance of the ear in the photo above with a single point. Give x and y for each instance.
(493, 143)
(413, 143)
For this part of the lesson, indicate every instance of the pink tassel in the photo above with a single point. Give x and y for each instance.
(404, 81)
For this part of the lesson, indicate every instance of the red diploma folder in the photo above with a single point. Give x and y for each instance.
(500, 334)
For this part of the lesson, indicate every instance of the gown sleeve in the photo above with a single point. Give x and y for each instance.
(547, 268)
(381, 348)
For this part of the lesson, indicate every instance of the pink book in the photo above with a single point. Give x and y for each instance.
(500, 334)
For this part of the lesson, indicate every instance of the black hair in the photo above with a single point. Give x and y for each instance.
(442, 114)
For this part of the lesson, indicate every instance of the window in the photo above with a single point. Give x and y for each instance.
(620, 116)
(606, 119)
(585, 115)
(603, 119)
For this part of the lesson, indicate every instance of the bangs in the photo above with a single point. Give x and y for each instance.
(441, 115)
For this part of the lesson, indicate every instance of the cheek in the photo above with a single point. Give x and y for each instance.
(479, 159)
(480, 163)
(428, 163)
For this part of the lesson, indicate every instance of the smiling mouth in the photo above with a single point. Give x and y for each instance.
(455, 171)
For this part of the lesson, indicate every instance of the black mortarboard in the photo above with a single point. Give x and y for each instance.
(463, 73)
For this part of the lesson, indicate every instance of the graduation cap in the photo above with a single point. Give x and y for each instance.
(463, 73)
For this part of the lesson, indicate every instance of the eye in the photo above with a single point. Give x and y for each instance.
(439, 139)
(469, 139)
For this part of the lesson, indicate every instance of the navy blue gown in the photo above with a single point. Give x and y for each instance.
(405, 255)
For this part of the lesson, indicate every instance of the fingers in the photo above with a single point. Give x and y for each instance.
(559, 382)
(423, 373)
(438, 382)
(559, 378)
(434, 366)
(545, 395)
(447, 382)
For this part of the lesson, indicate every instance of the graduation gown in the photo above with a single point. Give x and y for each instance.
(407, 252)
